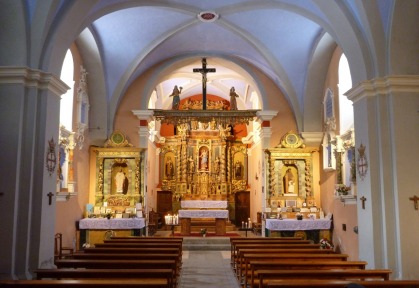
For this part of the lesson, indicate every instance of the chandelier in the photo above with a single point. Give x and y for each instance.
(217, 117)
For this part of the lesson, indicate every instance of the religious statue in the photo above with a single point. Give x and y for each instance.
(224, 132)
(176, 98)
(217, 165)
(119, 181)
(233, 101)
(204, 159)
(182, 130)
(288, 180)
(191, 164)
(238, 170)
(169, 168)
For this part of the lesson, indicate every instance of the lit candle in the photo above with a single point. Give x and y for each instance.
(105, 204)
(242, 224)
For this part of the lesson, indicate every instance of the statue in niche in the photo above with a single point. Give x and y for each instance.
(238, 170)
(120, 181)
(169, 168)
(217, 165)
(191, 165)
(204, 159)
(288, 181)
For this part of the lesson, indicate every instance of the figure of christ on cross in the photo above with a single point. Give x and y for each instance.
(204, 70)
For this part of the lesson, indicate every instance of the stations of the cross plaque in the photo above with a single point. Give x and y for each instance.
(204, 70)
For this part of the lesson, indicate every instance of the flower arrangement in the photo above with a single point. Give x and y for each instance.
(203, 232)
(341, 189)
(326, 244)
(108, 215)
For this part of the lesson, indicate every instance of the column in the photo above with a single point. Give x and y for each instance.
(386, 126)
(29, 115)
(264, 136)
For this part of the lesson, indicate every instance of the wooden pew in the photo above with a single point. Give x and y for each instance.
(341, 283)
(292, 264)
(265, 246)
(59, 274)
(116, 264)
(90, 283)
(283, 240)
(139, 245)
(124, 256)
(346, 274)
(119, 264)
(243, 265)
(282, 251)
(143, 240)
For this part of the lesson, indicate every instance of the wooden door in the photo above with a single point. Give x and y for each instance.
(242, 203)
(164, 202)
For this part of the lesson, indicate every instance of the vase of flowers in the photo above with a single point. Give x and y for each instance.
(341, 189)
(326, 244)
(203, 232)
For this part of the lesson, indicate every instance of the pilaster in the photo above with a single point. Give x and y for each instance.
(386, 126)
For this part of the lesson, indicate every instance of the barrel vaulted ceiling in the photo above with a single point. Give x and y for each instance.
(289, 41)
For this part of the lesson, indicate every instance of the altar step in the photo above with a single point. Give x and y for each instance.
(206, 244)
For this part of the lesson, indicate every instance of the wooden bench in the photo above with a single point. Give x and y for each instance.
(119, 264)
(276, 251)
(142, 240)
(91, 283)
(283, 240)
(341, 283)
(348, 274)
(125, 256)
(243, 265)
(166, 274)
(265, 246)
(292, 264)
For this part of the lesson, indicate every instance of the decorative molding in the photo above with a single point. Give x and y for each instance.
(384, 86)
(32, 78)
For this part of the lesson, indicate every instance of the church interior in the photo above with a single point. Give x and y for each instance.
(187, 119)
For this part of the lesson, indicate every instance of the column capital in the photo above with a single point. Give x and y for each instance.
(32, 78)
(266, 115)
(384, 86)
(143, 114)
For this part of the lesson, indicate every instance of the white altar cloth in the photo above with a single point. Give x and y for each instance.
(203, 214)
(203, 204)
(113, 223)
(293, 224)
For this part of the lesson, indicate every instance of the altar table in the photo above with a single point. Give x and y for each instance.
(186, 216)
(306, 228)
(203, 204)
(94, 230)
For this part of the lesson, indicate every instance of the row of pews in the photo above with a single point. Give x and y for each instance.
(293, 262)
(119, 261)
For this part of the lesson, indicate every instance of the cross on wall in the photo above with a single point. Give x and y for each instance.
(415, 200)
(204, 70)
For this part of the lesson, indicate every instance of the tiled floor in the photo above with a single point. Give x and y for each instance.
(207, 269)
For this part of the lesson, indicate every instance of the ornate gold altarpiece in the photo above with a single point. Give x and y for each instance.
(290, 161)
(203, 162)
(119, 173)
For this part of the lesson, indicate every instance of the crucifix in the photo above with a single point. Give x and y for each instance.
(363, 199)
(204, 70)
(415, 199)
(50, 198)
